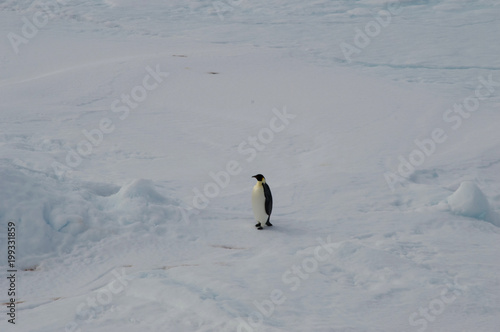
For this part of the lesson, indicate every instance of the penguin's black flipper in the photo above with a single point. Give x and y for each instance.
(268, 223)
(269, 199)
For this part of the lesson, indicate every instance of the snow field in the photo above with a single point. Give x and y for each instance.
(128, 137)
(123, 106)
(456, 116)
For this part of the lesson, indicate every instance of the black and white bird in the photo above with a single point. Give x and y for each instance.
(262, 201)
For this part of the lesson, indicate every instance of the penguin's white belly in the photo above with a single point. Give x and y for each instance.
(259, 203)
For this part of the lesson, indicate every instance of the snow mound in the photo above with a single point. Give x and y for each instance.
(469, 201)
(54, 217)
(143, 189)
(140, 202)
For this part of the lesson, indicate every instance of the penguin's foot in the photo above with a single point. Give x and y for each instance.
(268, 223)
(259, 226)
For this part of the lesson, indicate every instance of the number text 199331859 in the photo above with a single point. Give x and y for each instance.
(11, 272)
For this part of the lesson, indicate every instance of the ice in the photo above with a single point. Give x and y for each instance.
(469, 201)
(117, 117)
(143, 189)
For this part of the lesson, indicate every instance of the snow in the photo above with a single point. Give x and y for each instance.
(129, 135)
(470, 201)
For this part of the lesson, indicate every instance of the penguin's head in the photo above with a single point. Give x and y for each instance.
(259, 177)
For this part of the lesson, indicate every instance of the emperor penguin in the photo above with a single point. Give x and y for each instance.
(262, 201)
